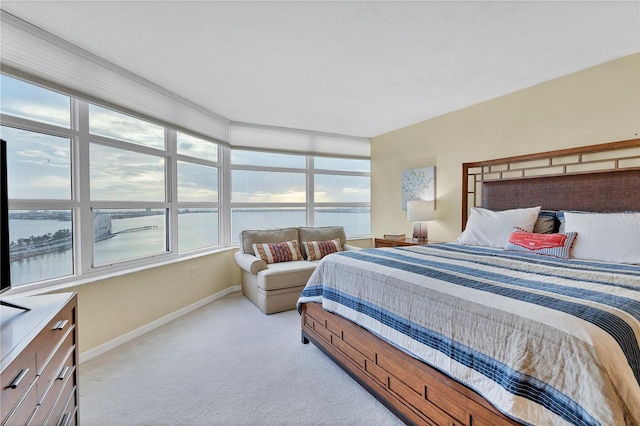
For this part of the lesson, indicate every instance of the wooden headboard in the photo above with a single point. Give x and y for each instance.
(604, 177)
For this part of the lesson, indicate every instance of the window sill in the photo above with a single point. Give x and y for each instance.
(60, 284)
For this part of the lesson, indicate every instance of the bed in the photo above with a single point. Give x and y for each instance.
(507, 336)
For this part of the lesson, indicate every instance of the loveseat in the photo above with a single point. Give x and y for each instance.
(275, 287)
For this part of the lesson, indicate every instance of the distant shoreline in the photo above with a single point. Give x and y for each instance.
(62, 244)
(66, 217)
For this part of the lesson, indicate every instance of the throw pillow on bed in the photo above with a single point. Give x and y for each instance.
(278, 252)
(547, 222)
(490, 228)
(557, 245)
(316, 250)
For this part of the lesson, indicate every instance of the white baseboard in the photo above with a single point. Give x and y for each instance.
(105, 347)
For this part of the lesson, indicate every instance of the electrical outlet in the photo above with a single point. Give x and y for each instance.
(194, 272)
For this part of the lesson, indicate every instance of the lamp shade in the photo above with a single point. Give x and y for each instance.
(420, 210)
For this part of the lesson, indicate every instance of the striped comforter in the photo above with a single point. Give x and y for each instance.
(547, 341)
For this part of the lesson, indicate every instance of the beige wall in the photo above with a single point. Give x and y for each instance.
(112, 307)
(596, 105)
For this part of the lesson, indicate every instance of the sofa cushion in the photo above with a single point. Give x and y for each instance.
(250, 237)
(278, 252)
(285, 274)
(316, 250)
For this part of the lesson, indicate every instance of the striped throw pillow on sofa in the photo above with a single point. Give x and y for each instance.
(278, 252)
(316, 250)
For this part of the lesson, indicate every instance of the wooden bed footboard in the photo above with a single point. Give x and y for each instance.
(411, 389)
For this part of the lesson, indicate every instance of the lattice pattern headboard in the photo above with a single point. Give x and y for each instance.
(604, 177)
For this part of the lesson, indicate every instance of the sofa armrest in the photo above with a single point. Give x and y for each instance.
(349, 247)
(249, 262)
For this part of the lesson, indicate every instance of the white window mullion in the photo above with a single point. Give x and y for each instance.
(172, 189)
(35, 126)
(224, 194)
(84, 239)
(310, 192)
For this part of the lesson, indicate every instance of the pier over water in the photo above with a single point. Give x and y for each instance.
(63, 239)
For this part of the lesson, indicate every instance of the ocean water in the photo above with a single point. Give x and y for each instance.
(195, 230)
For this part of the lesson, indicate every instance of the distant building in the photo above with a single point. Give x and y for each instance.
(102, 227)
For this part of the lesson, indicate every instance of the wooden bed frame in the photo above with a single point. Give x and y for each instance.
(603, 177)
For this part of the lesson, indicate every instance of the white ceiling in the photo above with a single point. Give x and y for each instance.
(355, 68)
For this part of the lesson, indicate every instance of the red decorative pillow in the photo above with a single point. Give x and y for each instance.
(557, 245)
(278, 252)
(316, 250)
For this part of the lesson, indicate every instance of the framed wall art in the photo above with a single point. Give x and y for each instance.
(418, 184)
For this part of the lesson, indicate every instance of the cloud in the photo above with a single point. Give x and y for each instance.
(41, 113)
(41, 187)
(122, 175)
(114, 125)
(194, 147)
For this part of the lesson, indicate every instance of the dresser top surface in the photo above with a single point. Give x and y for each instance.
(19, 327)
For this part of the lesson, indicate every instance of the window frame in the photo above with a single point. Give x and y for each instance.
(320, 204)
(310, 171)
(82, 207)
(172, 141)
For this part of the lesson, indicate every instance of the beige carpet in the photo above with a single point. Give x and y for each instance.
(223, 364)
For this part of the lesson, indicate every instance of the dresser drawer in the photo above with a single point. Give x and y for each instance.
(24, 410)
(54, 367)
(70, 413)
(65, 407)
(54, 393)
(20, 374)
(51, 336)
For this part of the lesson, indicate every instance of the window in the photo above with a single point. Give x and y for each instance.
(198, 193)
(122, 173)
(355, 220)
(197, 182)
(258, 186)
(268, 190)
(40, 246)
(124, 234)
(131, 193)
(118, 174)
(342, 194)
(197, 228)
(278, 190)
(341, 189)
(198, 148)
(41, 231)
(24, 100)
(264, 218)
(39, 165)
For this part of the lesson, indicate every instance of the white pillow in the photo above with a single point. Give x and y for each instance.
(608, 237)
(493, 228)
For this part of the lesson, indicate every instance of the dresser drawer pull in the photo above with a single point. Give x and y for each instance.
(60, 325)
(63, 420)
(63, 373)
(18, 379)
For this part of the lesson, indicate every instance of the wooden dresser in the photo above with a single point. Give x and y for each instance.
(39, 375)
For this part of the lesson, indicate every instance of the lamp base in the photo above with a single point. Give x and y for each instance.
(420, 230)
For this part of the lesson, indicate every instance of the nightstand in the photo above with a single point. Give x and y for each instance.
(382, 242)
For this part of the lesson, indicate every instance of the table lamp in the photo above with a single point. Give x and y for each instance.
(420, 212)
